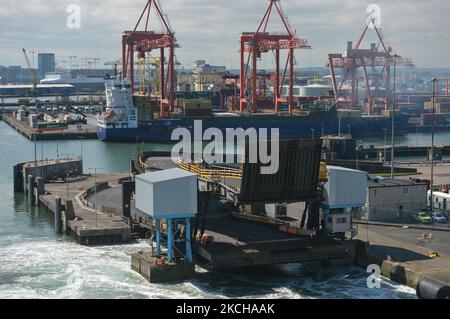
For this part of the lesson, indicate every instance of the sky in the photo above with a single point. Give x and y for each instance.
(209, 29)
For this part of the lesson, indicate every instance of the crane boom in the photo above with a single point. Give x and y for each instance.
(33, 73)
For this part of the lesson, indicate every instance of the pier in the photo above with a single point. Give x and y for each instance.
(88, 131)
(58, 187)
(405, 255)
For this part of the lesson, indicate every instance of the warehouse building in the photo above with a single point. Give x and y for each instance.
(41, 90)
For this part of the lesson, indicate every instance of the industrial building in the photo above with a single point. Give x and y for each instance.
(389, 199)
(81, 83)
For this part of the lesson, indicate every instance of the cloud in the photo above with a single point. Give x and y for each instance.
(209, 29)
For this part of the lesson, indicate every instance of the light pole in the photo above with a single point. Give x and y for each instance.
(357, 155)
(417, 135)
(385, 144)
(339, 125)
(432, 144)
(95, 193)
(67, 186)
(35, 149)
(393, 119)
(81, 146)
(42, 159)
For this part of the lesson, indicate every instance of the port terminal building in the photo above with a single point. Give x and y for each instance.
(389, 199)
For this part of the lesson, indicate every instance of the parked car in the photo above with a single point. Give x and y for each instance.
(423, 218)
(439, 218)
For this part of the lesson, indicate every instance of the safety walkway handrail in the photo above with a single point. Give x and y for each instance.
(211, 174)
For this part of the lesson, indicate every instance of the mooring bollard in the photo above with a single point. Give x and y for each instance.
(40, 186)
(58, 215)
(30, 188)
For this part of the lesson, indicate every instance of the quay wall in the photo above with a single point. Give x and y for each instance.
(53, 170)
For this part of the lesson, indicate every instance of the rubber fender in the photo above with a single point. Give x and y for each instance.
(429, 288)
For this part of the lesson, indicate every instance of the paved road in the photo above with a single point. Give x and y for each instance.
(111, 198)
(410, 236)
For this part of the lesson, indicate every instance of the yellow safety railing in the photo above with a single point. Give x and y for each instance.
(211, 174)
(142, 162)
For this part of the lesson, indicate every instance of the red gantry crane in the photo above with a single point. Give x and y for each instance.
(261, 41)
(144, 41)
(369, 60)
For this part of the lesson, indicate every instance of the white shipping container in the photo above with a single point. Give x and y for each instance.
(345, 188)
(167, 194)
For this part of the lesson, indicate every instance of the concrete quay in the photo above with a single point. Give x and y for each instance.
(88, 131)
(62, 189)
(156, 271)
(86, 225)
(441, 172)
(403, 256)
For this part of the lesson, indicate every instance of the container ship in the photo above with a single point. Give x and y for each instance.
(130, 118)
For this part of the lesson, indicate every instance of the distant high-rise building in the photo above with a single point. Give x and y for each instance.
(46, 64)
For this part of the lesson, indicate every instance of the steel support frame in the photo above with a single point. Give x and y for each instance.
(172, 225)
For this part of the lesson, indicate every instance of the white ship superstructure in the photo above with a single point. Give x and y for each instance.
(120, 109)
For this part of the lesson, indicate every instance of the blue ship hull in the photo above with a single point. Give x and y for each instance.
(290, 127)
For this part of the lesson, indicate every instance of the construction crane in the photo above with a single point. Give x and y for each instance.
(89, 62)
(377, 56)
(261, 41)
(71, 59)
(33, 72)
(156, 63)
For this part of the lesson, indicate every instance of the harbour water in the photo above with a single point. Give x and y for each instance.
(411, 139)
(36, 263)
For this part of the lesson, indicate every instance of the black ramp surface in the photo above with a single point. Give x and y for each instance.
(296, 180)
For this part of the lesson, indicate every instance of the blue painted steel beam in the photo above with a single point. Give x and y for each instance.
(169, 240)
(188, 241)
(158, 237)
